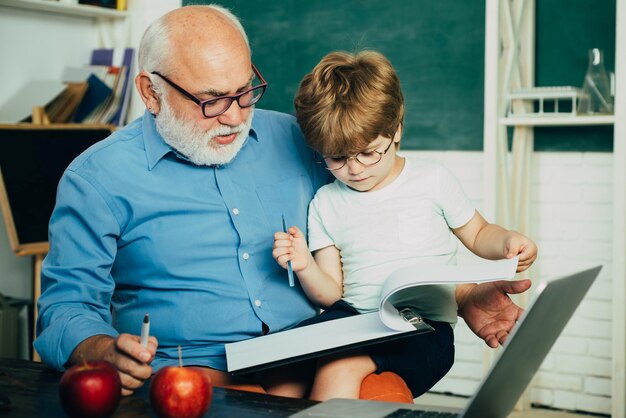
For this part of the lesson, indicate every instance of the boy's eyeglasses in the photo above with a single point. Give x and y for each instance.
(218, 105)
(365, 158)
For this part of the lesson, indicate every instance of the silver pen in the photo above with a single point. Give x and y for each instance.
(145, 330)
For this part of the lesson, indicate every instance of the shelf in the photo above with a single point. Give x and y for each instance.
(558, 120)
(65, 8)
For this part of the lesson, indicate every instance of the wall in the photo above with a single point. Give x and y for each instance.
(572, 226)
(143, 12)
(71, 40)
(572, 212)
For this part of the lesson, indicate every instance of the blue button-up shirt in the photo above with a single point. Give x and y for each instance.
(137, 229)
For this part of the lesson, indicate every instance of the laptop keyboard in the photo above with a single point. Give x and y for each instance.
(412, 413)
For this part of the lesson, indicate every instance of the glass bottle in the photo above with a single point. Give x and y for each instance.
(596, 97)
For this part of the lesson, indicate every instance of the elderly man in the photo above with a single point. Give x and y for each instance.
(174, 215)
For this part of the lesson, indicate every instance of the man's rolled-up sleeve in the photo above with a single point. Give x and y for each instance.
(76, 281)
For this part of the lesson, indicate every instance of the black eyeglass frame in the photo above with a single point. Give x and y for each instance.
(203, 103)
(356, 157)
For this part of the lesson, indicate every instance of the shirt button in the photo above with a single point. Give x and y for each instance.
(257, 303)
(235, 211)
(246, 256)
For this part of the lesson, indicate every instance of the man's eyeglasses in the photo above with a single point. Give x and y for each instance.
(218, 105)
(365, 158)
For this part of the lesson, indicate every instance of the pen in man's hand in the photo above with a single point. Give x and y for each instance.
(145, 330)
(289, 269)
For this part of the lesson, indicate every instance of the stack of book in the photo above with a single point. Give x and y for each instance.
(103, 97)
(114, 108)
(61, 109)
(96, 94)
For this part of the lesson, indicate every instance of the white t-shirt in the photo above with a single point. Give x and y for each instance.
(406, 222)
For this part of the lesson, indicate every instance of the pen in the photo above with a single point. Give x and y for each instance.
(289, 269)
(145, 330)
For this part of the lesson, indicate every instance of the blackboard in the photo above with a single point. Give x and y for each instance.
(437, 48)
(566, 31)
(32, 160)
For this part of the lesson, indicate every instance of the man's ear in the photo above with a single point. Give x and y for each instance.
(147, 93)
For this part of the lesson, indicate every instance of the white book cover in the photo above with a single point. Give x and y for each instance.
(387, 323)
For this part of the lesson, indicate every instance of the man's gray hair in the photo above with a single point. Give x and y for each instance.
(155, 45)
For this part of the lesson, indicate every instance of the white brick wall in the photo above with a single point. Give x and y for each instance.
(572, 220)
(572, 225)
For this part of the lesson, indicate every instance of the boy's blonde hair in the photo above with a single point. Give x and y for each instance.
(347, 101)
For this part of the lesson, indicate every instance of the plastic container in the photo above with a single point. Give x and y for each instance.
(596, 97)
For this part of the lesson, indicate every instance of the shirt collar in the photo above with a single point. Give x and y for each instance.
(157, 148)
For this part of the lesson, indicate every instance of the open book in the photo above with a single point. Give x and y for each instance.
(387, 323)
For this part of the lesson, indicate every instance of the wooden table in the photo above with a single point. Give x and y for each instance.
(33, 390)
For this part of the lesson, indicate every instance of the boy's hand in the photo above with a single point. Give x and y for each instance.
(291, 246)
(518, 244)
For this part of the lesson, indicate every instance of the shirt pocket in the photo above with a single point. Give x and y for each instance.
(289, 197)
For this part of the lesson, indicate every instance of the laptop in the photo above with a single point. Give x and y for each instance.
(553, 304)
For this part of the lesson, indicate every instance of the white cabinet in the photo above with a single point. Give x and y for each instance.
(509, 64)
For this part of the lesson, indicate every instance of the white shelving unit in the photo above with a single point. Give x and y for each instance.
(64, 8)
(509, 64)
(558, 120)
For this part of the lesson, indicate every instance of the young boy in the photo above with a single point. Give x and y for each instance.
(382, 213)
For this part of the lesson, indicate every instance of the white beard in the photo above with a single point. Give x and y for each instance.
(196, 144)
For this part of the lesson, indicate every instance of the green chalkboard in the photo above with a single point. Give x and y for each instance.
(566, 31)
(437, 47)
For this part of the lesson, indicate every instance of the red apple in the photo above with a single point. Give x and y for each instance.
(180, 392)
(91, 389)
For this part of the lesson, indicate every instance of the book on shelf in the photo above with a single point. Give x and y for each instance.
(97, 93)
(109, 4)
(393, 320)
(62, 108)
(120, 5)
(112, 77)
(106, 57)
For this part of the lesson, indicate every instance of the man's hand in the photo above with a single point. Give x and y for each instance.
(488, 310)
(130, 358)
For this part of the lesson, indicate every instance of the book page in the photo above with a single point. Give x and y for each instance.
(430, 274)
(297, 342)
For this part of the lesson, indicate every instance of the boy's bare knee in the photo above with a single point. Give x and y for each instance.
(348, 368)
(288, 390)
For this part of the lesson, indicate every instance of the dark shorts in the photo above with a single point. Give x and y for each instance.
(421, 360)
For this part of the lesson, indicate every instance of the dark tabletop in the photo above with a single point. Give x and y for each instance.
(32, 389)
